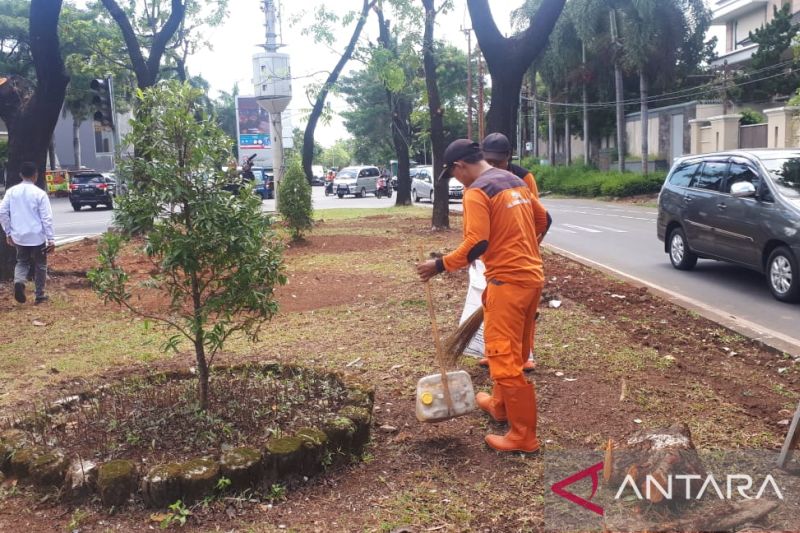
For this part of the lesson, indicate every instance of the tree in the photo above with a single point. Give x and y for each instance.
(225, 112)
(368, 118)
(441, 204)
(15, 50)
(323, 33)
(156, 41)
(338, 155)
(295, 201)
(217, 258)
(769, 73)
(31, 112)
(508, 58)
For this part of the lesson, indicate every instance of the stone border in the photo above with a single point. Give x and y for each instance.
(285, 459)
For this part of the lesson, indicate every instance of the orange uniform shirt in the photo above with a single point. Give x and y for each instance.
(526, 176)
(500, 217)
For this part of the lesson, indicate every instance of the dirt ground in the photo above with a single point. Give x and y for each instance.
(612, 359)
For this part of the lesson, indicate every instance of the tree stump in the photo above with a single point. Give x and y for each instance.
(11, 440)
(162, 485)
(242, 466)
(115, 482)
(340, 431)
(655, 456)
(282, 459)
(81, 477)
(198, 479)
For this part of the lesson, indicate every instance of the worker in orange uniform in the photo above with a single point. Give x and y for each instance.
(500, 217)
(497, 151)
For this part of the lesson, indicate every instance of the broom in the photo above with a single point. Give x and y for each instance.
(440, 353)
(457, 342)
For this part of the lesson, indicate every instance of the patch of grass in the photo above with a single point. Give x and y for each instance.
(350, 213)
(425, 506)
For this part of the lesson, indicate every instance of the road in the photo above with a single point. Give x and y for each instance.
(71, 225)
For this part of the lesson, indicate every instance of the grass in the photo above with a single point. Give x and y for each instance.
(351, 213)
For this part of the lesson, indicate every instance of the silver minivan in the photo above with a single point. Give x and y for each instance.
(742, 207)
(357, 181)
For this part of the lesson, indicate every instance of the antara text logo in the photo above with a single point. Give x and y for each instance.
(729, 487)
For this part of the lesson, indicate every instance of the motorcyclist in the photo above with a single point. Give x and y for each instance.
(329, 177)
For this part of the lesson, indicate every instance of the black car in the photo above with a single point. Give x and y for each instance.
(92, 189)
(742, 207)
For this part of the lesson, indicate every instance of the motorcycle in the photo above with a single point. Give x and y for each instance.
(329, 188)
(383, 188)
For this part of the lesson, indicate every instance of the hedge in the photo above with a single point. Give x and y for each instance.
(589, 182)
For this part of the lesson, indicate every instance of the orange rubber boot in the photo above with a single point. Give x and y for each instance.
(493, 404)
(520, 403)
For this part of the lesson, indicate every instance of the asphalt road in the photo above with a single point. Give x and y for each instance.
(72, 225)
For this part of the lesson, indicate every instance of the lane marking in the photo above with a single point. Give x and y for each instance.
(559, 228)
(768, 337)
(613, 230)
(587, 230)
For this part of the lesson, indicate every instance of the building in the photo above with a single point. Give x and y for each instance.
(96, 143)
(739, 18)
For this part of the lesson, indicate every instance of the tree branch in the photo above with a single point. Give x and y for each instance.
(131, 42)
(161, 39)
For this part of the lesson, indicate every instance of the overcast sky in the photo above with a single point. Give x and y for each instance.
(238, 38)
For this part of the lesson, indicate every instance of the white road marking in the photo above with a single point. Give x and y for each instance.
(588, 230)
(613, 230)
(559, 228)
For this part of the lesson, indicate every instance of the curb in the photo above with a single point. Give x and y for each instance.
(765, 337)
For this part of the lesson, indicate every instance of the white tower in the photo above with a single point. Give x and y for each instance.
(273, 89)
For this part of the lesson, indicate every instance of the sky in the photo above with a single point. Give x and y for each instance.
(237, 39)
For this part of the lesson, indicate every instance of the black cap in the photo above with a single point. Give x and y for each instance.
(496, 147)
(456, 151)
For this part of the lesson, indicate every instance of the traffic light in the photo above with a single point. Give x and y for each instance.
(103, 101)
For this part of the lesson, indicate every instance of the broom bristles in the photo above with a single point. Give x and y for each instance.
(458, 341)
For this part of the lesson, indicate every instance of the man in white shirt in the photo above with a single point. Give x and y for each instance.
(27, 219)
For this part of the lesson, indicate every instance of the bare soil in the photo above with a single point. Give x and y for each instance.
(612, 359)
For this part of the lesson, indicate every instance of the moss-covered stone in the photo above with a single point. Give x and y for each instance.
(21, 459)
(283, 459)
(48, 468)
(115, 482)
(161, 486)
(358, 398)
(340, 431)
(242, 466)
(81, 479)
(198, 478)
(11, 440)
(315, 443)
(362, 418)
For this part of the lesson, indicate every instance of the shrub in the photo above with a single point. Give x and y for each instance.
(294, 200)
(588, 182)
(751, 116)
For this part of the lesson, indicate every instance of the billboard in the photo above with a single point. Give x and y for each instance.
(253, 124)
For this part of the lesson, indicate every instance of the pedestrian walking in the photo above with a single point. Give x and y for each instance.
(500, 219)
(27, 219)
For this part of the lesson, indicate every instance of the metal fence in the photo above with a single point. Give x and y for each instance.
(753, 136)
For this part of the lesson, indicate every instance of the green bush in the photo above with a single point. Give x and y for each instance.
(751, 116)
(294, 200)
(578, 180)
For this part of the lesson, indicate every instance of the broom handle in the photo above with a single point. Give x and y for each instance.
(437, 342)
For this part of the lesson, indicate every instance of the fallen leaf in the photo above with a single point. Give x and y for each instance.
(159, 517)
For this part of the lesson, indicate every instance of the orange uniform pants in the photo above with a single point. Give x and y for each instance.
(509, 312)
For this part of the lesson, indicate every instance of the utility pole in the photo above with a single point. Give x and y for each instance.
(725, 102)
(535, 129)
(585, 110)
(481, 128)
(551, 130)
(567, 134)
(618, 85)
(468, 33)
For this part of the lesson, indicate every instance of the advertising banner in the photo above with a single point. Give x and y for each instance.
(253, 124)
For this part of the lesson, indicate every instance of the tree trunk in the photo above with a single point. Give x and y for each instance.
(31, 114)
(535, 129)
(441, 200)
(618, 92)
(645, 121)
(508, 58)
(319, 104)
(76, 142)
(51, 153)
(202, 372)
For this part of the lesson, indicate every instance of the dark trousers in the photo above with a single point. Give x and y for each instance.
(36, 255)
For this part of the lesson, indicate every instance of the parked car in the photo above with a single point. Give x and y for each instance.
(421, 183)
(456, 190)
(358, 181)
(265, 183)
(318, 175)
(92, 189)
(742, 207)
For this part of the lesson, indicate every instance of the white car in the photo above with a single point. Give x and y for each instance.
(422, 185)
(358, 181)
